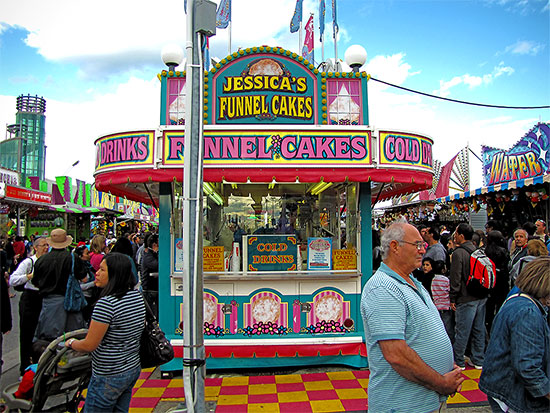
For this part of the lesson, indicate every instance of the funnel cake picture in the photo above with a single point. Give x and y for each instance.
(266, 309)
(265, 67)
(328, 308)
(210, 310)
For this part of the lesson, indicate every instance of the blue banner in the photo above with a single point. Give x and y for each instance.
(321, 19)
(335, 27)
(297, 17)
(223, 15)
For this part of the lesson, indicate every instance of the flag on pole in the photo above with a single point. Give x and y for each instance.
(335, 27)
(206, 53)
(321, 19)
(307, 50)
(444, 178)
(297, 17)
(223, 14)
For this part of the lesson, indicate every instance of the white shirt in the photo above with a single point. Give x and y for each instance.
(19, 276)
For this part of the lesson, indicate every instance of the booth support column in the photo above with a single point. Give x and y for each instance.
(167, 302)
(365, 199)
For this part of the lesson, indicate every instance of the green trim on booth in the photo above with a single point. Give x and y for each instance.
(167, 303)
(163, 99)
(366, 231)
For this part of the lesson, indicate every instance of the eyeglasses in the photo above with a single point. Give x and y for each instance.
(418, 244)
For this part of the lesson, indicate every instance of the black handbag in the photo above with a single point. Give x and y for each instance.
(155, 349)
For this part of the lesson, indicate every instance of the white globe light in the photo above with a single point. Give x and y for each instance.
(172, 55)
(355, 56)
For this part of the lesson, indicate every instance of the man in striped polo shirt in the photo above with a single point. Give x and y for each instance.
(410, 354)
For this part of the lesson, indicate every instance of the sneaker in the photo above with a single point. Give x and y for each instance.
(462, 367)
(475, 366)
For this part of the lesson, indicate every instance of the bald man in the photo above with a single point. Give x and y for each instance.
(410, 354)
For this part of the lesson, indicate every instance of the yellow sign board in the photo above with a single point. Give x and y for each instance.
(344, 259)
(212, 258)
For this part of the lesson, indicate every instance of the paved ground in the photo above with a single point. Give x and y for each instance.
(11, 375)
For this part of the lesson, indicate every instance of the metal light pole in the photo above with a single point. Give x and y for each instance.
(194, 370)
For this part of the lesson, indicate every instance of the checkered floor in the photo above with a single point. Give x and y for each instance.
(339, 391)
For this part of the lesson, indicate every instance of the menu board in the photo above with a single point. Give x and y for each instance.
(319, 253)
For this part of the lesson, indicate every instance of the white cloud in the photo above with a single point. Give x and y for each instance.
(473, 81)
(72, 128)
(525, 47)
(392, 69)
(105, 36)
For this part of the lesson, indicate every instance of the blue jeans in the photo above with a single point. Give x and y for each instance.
(111, 393)
(470, 322)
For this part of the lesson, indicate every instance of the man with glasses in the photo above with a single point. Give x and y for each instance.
(410, 354)
(469, 310)
(30, 303)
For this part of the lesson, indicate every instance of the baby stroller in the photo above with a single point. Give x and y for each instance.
(61, 376)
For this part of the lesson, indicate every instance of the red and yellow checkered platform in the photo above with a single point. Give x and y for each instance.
(336, 391)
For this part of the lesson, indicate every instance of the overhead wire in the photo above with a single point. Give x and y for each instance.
(459, 101)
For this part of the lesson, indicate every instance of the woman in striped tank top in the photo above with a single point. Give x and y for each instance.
(113, 337)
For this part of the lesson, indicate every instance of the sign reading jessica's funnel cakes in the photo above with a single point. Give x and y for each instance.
(275, 90)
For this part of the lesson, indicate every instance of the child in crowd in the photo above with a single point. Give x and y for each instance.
(440, 293)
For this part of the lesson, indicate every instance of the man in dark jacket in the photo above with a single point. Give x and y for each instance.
(150, 272)
(469, 310)
(51, 274)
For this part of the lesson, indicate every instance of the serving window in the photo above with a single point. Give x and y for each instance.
(259, 228)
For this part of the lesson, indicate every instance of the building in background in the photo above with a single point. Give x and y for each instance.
(24, 150)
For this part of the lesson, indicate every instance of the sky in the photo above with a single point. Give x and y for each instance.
(96, 64)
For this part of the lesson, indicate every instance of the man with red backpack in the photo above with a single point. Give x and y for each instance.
(469, 308)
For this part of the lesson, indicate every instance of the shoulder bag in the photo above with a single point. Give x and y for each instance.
(74, 297)
(155, 349)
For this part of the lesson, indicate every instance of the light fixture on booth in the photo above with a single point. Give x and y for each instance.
(355, 56)
(211, 193)
(320, 187)
(172, 56)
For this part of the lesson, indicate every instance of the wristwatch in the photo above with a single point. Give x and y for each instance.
(70, 342)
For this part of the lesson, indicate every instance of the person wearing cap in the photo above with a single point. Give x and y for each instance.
(51, 273)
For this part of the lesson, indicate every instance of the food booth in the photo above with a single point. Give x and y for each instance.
(291, 173)
(516, 182)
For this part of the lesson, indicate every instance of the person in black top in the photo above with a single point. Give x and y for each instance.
(51, 273)
(149, 273)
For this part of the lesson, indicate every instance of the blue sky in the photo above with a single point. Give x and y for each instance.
(96, 64)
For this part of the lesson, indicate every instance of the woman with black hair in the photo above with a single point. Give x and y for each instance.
(113, 337)
(497, 252)
(124, 246)
(87, 284)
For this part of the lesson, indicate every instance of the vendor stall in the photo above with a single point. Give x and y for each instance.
(291, 171)
(517, 182)
(16, 201)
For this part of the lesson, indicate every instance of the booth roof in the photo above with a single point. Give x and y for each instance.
(143, 185)
(80, 209)
(498, 187)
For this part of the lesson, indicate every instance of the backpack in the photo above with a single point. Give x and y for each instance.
(482, 277)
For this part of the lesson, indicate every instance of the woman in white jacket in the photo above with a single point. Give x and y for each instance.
(30, 303)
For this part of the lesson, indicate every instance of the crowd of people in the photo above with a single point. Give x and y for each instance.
(424, 324)
(110, 272)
